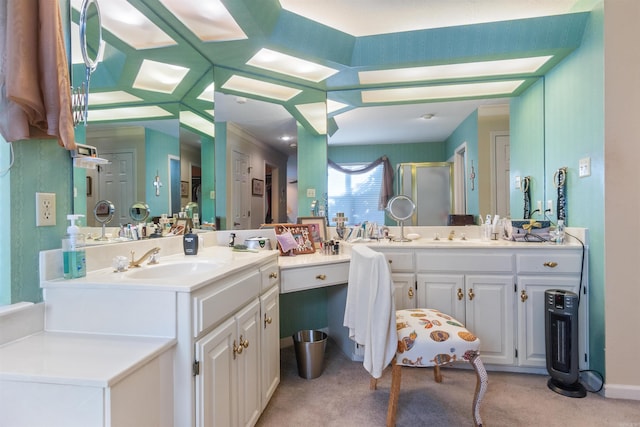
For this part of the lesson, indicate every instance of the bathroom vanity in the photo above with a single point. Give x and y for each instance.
(191, 341)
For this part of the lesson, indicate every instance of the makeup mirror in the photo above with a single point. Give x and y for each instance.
(401, 208)
(103, 213)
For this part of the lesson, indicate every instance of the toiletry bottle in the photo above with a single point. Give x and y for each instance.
(560, 232)
(73, 253)
(190, 243)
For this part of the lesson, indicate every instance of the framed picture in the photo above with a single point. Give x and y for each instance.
(294, 239)
(317, 227)
(180, 226)
(257, 187)
(184, 189)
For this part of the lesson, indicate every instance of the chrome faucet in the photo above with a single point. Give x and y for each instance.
(150, 253)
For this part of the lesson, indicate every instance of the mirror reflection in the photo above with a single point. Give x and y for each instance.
(103, 214)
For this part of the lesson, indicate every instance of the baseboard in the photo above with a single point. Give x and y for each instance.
(621, 391)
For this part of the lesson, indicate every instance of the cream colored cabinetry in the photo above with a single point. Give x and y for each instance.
(270, 335)
(536, 274)
(404, 279)
(480, 294)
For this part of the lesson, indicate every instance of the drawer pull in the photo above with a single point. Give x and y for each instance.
(267, 320)
(471, 294)
(244, 342)
(390, 261)
(273, 275)
(410, 293)
(237, 349)
(550, 264)
(524, 296)
(321, 277)
(460, 294)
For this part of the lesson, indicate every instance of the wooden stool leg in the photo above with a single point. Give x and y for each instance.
(437, 375)
(373, 384)
(396, 378)
(482, 382)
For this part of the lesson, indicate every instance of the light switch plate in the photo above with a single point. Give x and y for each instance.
(584, 167)
(518, 183)
(311, 192)
(45, 209)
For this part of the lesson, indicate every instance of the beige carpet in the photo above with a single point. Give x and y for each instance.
(341, 397)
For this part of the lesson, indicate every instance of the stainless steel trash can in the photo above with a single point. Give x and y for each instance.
(309, 346)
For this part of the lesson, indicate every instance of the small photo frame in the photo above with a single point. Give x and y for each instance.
(257, 187)
(180, 226)
(184, 189)
(287, 234)
(317, 227)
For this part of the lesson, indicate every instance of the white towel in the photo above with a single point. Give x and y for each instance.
(370, 308)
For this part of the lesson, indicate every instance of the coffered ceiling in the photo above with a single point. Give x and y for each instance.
(363, 51)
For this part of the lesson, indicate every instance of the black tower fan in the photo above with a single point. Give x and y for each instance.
(561, 343)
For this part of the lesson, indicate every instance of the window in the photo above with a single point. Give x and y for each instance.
(357, 195)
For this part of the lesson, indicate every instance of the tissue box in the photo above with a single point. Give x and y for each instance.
(525, 230)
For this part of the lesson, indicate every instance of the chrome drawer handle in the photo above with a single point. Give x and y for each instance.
(321, 277)
(550, 264)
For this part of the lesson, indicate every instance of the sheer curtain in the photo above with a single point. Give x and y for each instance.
(386, 190)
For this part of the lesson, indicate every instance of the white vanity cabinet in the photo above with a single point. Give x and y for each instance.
(538, 272)
(404, 280)
(477, 288)
(270, 332)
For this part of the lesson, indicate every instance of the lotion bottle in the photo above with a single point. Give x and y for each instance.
(73, 253)
(190, 243)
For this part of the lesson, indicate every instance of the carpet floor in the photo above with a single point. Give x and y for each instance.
(341, 397)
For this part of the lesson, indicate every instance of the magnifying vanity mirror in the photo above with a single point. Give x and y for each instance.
(401, 208)
(92, 48)
(139, 212)
(103, 213)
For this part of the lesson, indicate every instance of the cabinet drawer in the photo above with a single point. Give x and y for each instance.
(549, 263)
(459, 262)
(400, 261)
(270, 276)
(215, 303)
(297, 279)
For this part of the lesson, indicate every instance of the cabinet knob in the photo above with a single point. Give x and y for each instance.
(471, 294)
(243, 342)
(550, 264)
(524, 296)
(410, 293)
(273, 275)
(267, 320)
(390, 261)
(460, 294)
(321, 276)
(237, 349)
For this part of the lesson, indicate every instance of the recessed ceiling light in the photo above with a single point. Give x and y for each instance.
(271, 60)
(285, 138)
(124, 21)
(293, 145)
(197, 122)
(467, 90)
(316, 114)
(260, 88)
(455, 71)
(208, 20)
(427, 116)
(115, 97)
(159, 77)
(131, 113)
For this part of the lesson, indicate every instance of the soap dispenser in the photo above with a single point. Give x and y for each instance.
(73, 253)
(190, 243)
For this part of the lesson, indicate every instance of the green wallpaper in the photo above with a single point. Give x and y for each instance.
(312, 168)
(158, 147)
(5, 224)
(467, 132)
(207, 156)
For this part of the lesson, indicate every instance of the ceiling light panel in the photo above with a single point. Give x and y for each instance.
(277, 62)
(208, 20)
(115, 97)
(333, 106)
(127, 113)
(455, 71)
(130, 25)
(207, 94)
(468, 90)
(197, 122)
(159, 77)
(260, 88)
(316, 114)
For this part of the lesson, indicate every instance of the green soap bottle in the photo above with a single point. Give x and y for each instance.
(73, 253)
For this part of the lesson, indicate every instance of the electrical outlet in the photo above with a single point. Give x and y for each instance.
(539, 206)
(45, 209)
(549, 210)
(584, 167)
(518, 183)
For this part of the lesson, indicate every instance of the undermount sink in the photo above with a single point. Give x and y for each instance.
(174, 269)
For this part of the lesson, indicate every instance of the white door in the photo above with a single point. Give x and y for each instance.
(240, 197)
(500, 189)
(116, 183)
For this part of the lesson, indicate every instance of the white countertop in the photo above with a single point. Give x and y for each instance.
(78, 359)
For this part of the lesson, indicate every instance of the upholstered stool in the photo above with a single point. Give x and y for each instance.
(429, 338)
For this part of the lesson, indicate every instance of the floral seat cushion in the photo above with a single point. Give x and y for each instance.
(428, 337)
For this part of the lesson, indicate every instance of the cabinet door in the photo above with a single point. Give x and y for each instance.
(444, 292)
(403, 290)
(249, 328)
(216, 385)
(270, 308)
(490, 316)
(531, 317)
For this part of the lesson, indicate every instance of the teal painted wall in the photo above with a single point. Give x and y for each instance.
(312, 170)
(158, 147)
(208, 183)
(220, 149)
(5, 223)
(527, 147)
(397, 153)
(303, 310)
(466, 132)
(574, 128)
